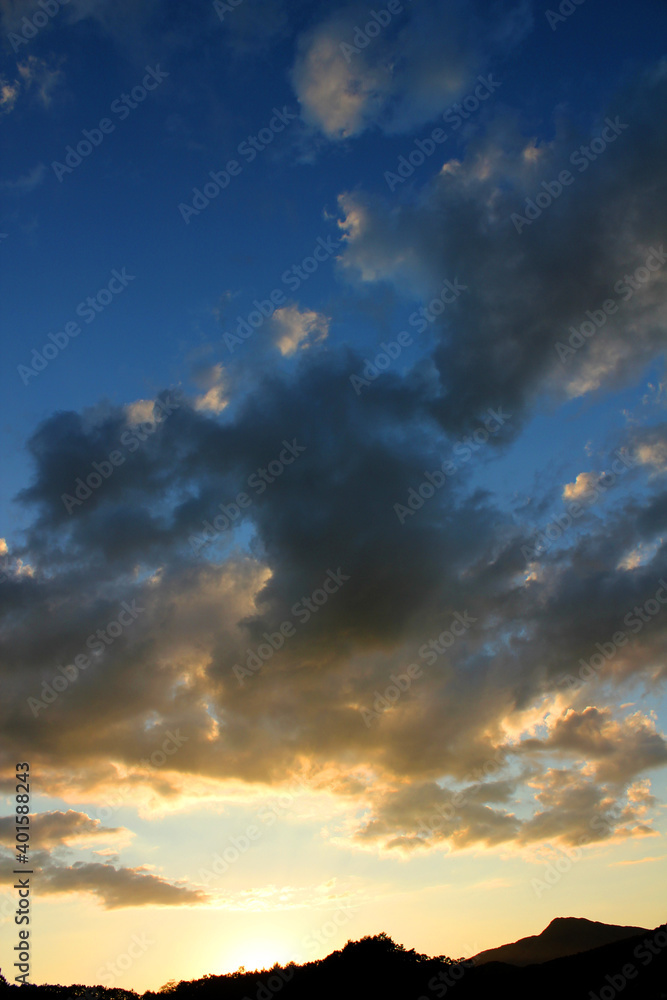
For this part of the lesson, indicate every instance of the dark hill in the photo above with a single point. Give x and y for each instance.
(564, 936)
(634, 968)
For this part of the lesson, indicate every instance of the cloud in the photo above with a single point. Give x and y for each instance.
(650, 449)
(638, 861)
(403, 75)
(203, 613)
(8, 95)
(33, 75)
(216, 397)
(27, 182)
(578, 811)
(527, 291)
(36, 73)
(52, 829)
(582, 487)
(499, 686)
(424, 815)
(617, 750)
(118, 887)
(297, 329)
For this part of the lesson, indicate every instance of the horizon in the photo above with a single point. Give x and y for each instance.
(333, 553)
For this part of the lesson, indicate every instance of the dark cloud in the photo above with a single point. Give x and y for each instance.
(118, 887)
(112, 887)
(620, 750)
(170, 669)
(55, 828)
(527, 289)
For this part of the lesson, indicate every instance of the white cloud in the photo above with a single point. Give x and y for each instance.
(299, 329)
(420, 62)
(653, 454)
(139, 412)
(215, 398)
(583, 485)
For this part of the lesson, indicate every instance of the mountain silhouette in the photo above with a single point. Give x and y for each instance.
(564, 936)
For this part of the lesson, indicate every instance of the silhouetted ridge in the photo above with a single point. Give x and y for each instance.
(564, 936)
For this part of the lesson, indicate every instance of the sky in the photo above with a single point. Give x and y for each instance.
(333, 568)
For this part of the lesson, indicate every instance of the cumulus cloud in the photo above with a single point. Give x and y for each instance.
(425, 815)
(403, 75)
(298, 328)
(582, 488)
(617, 750)
(575, 810)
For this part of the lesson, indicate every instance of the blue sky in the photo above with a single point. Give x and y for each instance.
(317, 218)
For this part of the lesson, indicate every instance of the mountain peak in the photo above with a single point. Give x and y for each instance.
(563, 936)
